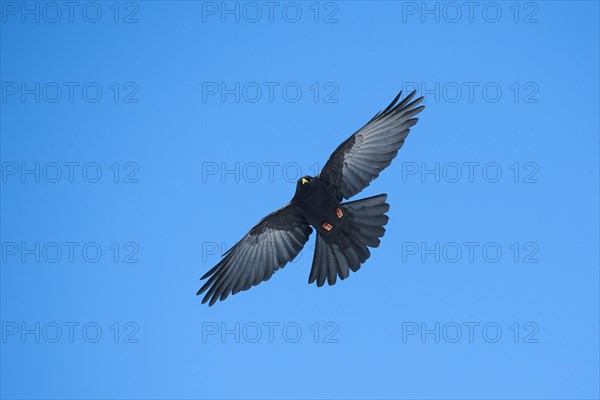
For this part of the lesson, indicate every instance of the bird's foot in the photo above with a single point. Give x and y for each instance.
(327, 226)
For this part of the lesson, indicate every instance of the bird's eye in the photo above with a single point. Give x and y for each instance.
(303, 180)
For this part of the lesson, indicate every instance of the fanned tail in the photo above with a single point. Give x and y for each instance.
(364, 227)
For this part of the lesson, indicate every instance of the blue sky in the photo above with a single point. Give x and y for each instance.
(139, 140)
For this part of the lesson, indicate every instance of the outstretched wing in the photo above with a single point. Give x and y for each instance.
(272, 243)
(361, 158)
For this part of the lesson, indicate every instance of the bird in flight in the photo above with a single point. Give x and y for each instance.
(345, 231)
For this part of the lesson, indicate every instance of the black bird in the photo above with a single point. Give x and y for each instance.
(345, 231)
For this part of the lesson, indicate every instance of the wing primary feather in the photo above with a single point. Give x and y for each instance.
(405, 101)
(391, 105)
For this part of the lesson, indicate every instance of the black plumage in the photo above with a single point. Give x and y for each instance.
(345, 231)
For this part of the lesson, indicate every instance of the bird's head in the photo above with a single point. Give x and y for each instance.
(306, 182)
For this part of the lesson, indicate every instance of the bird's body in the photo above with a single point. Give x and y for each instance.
(318, 205)
(345, 230)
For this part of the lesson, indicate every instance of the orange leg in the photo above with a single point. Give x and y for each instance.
(327, 226)
(339, 213)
